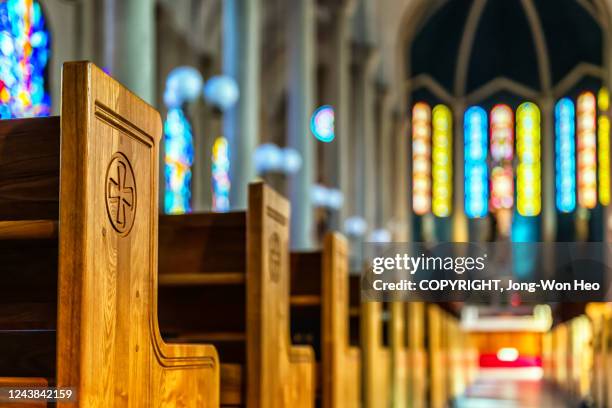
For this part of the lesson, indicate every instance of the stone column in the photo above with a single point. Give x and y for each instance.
(301, 61)
(401, 146)
(364, 166)
(547, 159)
(130, 34)
(241, 61)
(384, 160)
(209, 125)
(338, 154)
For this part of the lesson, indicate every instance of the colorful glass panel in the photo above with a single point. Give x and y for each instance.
(421, 158)
(587, 150)
(220, 175)
(565, 155)
(322, 123)
(476, 172)
(178, 159)
(502, 153)
(603, 145)
(24, 53)
(529, 201)
(442, 161)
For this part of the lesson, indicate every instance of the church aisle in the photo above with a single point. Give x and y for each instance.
(513, 388)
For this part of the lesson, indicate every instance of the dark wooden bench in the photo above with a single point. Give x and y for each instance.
(78, 227)
(320, 317)
(224, 280)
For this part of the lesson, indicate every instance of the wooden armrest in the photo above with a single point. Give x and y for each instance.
(303, 376)
(181, 355)
(354, 353)
(302, 355)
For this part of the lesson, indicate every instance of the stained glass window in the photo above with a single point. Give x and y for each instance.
(587, 150)
(502, 153)
(220, 175)
(178, 160)
(24, 52)
(322, 123)
(476, 177)
(603, 146)
(421, 158)
(529, 201)
(442, 159)
(565, 155)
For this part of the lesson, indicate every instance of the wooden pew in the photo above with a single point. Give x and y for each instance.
(376, 355)
(369, 329)
(607, 397)
(224, 279)
(417, 354)
(438, 357)
(78, 227)
(399, 355)
(320, 317)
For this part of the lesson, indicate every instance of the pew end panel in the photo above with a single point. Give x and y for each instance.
(303, 376)
(352, 385)
(399, 354)
(340, 387)
(417, 354)
(109, 347)
(376, 357)
(320, 317)
(269, 347)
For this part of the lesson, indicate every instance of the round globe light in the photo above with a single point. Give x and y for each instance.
(222, 92)
(185, 83)
(355, 226)
(335, 199)
(268, 157)
(380, 236)
(319, 195)
(171, 99)
(292, 160)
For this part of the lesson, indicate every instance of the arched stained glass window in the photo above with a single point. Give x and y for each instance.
(587, 150)
(24, 52)
(476, 177)
(565, 155)
(442, 160)
(603, 145)
(502, 134)
(220, 175)
(178, 160)
(421, 158)
(502, 153)
(529, 201)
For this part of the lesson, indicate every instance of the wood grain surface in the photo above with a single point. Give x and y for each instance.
(109, 347)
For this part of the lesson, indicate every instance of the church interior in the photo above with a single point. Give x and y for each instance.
(188, 189)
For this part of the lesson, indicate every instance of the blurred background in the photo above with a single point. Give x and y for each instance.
(389, 120)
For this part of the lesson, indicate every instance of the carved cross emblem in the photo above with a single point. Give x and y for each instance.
(120, 193)
(274, 254)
